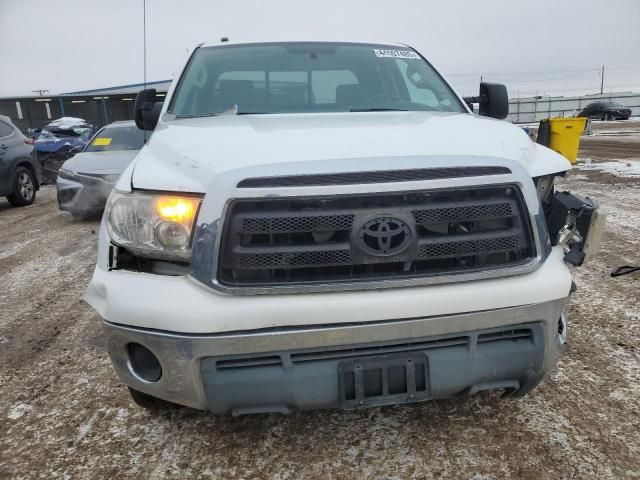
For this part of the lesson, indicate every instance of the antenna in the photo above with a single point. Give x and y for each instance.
(144, 41)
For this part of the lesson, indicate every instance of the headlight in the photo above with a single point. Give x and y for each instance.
(68, 174)
(153, 225)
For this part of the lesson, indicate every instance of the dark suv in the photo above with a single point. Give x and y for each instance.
(20, 174)
(606, 111)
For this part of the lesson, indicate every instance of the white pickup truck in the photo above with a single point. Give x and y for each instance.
(329, 225)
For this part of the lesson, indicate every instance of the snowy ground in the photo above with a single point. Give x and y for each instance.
(64, 414)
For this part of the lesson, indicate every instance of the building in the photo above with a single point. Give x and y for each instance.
(99, 106)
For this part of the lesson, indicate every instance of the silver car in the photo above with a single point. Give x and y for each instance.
(85, 181)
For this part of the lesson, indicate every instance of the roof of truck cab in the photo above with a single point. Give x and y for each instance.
(272, 42)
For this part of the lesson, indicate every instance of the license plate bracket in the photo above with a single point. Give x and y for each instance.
(387, 380)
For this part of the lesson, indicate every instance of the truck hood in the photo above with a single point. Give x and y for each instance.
(188, 154)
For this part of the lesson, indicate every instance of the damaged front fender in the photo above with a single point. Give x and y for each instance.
(575, 223)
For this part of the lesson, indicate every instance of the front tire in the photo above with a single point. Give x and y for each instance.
(24, 188)
(151, 403)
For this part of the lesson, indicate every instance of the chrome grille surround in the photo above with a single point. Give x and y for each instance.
(223, 191)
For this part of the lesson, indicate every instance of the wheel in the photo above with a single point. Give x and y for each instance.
(610, 117)
(149, 402)
(24, 188)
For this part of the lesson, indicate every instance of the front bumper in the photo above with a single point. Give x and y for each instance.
(82, 197)
(281, 370)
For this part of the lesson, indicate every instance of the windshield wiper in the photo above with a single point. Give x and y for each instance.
(377, 109)
(199, 115)
(232, 111)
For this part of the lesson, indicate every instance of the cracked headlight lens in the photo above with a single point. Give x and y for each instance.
(152, 224)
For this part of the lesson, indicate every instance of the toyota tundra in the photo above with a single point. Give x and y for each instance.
(330, 225)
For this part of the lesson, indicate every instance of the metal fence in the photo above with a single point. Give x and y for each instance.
(534, 109)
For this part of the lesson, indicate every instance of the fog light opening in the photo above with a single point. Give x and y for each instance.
(562, 328)
(143, 363)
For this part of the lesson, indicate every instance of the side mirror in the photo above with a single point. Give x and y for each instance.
(493, 100)
(147, 109)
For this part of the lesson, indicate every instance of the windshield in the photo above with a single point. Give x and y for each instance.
(309, 77)
(117, 138)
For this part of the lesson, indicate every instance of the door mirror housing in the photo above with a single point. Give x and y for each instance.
(493, 100)
(147, 109)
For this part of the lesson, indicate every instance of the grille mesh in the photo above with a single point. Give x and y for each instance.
(285, 259)
(475, 212)
(296, 224)
(469, 247)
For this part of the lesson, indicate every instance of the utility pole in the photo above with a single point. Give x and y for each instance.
(602, 81)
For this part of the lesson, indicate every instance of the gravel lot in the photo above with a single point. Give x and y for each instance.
(63, 412)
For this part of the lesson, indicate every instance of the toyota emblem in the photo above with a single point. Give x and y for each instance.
(384, 236)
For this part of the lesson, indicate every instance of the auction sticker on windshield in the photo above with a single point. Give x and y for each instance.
(101, 142)
(395, 53)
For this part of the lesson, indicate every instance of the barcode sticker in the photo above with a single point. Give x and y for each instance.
(395, 53)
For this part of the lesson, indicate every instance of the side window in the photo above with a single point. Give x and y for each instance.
(417, 94)
(5, 130)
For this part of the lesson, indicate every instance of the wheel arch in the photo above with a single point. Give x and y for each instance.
(27, 163)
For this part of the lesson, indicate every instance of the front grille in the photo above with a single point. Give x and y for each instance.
(276, 241)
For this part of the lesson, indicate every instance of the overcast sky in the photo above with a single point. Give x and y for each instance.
(550, 46)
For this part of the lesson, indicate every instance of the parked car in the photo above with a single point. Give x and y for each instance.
(58, 141)
(85, 181)
(20, 174)
(362, 240)
(606, 111)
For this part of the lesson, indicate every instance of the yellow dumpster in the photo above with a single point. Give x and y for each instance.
(565, 135)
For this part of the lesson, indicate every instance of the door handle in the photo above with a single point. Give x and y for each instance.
(4, 147)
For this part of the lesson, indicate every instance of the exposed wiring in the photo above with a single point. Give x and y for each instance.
(624, 269)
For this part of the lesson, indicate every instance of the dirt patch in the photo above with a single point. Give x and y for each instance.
(63, 412)
(612, 140)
